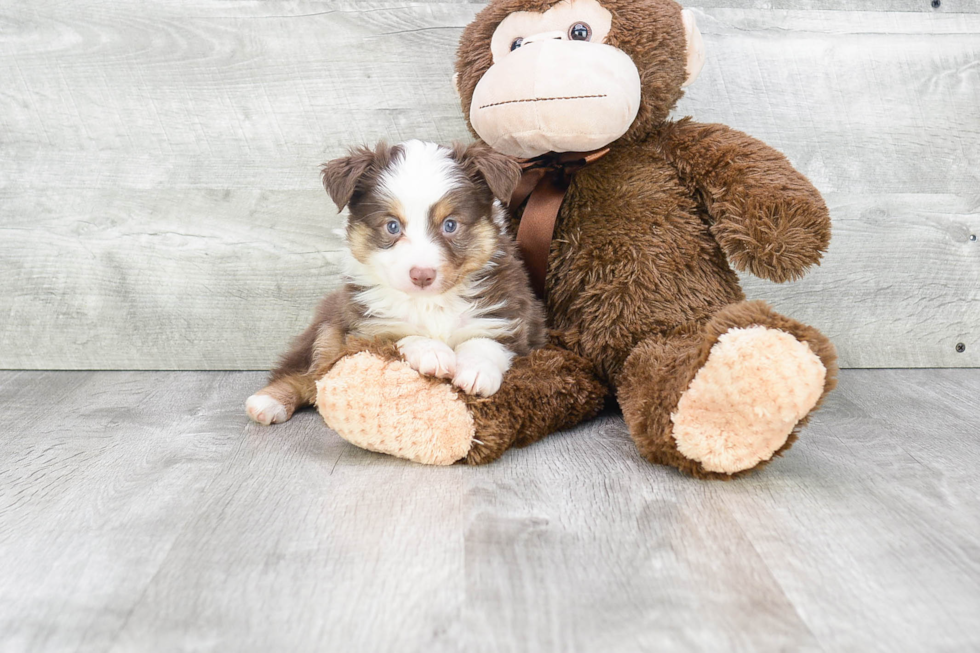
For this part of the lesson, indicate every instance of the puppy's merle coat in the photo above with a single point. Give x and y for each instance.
(431, 265)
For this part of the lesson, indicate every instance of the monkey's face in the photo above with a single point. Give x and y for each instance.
(569, 76)
(554, 84)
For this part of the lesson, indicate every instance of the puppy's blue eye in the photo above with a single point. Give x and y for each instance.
(393, 227)
(518, 42)
(449, 226)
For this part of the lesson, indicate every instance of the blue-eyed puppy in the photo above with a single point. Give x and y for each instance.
(431, 266)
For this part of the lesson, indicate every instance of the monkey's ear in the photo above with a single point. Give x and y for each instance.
(341, 176)
(695, 47)
(501, 173)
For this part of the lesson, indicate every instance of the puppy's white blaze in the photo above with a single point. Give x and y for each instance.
(421, 176)
(416, 180)
(414, 251)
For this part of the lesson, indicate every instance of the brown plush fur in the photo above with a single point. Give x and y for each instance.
(640, 280)
(549, 390)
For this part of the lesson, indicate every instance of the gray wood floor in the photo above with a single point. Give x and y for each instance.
(140, 511)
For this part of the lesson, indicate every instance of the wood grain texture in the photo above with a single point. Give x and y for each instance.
(921, 6)
(141, 511)
(160, 206)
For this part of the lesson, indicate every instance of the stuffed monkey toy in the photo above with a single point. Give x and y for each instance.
(632, 226)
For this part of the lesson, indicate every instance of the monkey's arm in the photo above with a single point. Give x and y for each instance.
(766, 216)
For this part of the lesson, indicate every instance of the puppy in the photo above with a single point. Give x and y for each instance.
(430, 265)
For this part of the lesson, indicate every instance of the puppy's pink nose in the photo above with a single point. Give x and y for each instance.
(422, 277)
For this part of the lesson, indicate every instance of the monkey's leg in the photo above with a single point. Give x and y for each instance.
(546, 391)
(724, 399)
(375, 401)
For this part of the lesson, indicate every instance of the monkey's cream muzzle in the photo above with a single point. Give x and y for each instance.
(556, 96)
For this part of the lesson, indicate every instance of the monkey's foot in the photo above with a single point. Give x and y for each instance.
(385, 406)
(740, 408)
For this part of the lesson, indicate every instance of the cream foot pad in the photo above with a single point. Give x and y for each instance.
(386, 406)
(756, 385)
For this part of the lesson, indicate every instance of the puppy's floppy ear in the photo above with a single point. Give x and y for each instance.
(500, 172)
(342, 176)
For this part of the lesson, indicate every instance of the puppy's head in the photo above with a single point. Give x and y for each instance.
(423, 217)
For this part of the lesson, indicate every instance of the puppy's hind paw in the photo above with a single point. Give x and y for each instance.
(265, 410)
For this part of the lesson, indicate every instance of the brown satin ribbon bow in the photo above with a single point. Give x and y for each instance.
(543, 185)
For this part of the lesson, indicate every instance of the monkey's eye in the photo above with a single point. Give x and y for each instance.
(518, 42)
(580, 32)
(393, 227)
(449, 226)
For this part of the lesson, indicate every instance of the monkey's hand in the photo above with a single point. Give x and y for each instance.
(767, 217)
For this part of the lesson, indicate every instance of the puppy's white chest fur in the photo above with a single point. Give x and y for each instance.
(451, 317)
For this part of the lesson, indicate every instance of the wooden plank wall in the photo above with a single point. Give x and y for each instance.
(160, 206)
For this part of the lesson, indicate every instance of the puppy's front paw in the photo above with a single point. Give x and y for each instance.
(428, 356)
(480, 366)
(478, 376)
(265, 410)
